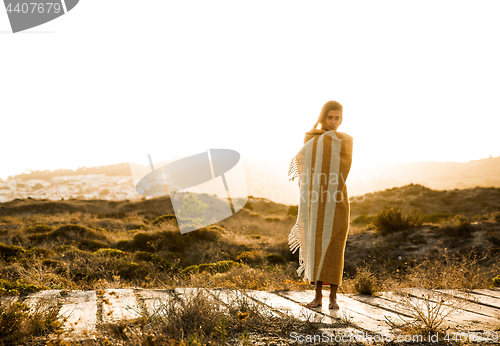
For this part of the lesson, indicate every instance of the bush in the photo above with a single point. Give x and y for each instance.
(365, 282)
(211, 233)
(496, 281)
(92, 245)
(19, 321)
(249, 257)
(436, 217)
(163, 263)
(17, 287)
(41, 251)
(8, 252)
(293, 210)
(275, 259)
(217, 267)
(391, 220)
(496, 216)
(459, 226)
(248, 205)
(164, 218)
(69, 231)
(38, 229)
(110, 252)
(362, 219)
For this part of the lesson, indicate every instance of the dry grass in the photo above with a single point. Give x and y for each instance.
(101, 244)
(20, 321)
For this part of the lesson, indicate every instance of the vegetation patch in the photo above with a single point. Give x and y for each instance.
(293, 210)
(217, 267)
(110, 252)
(17, 287)
(163, 263)
(38, 229)
(459, 226)
(250, 257)
(391, 220)
(158, 241)
(436, 217)
(18, 321)
(275, 259)
(10, 252)
(41, 251)
(69, 231)
(164, 218)
(363, 219)
(496, 281)
(91, 244)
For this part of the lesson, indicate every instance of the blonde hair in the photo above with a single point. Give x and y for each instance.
(329, 106)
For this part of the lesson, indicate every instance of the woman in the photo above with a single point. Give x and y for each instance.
(320, 232)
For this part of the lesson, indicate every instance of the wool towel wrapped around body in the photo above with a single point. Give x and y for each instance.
(322, 166)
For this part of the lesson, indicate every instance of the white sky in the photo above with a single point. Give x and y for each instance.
(114, 80)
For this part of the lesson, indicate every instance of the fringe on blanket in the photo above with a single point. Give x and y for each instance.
(293, 170)
(293, 237)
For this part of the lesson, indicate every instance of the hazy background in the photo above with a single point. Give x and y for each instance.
(114, 80)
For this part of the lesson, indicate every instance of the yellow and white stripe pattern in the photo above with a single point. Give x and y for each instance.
(317, 166)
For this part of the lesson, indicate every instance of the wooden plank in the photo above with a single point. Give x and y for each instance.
(154, 300)
(289, 307)
(119, 304)
(459, 319)
(477, 303)
(79, 313)
(361, 315)
(236, 297)
(490, 293)
(381, 303)
(38, 299)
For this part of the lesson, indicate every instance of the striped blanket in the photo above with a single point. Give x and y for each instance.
(320, 232)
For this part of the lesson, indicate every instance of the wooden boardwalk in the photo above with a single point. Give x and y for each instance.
(476, 312)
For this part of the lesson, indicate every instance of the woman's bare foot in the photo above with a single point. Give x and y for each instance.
(315, 303)
(333, 304)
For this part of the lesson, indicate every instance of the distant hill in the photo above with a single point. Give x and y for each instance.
(269, 179)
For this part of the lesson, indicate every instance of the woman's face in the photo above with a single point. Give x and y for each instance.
(333, 120)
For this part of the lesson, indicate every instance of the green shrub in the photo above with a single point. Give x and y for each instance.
(69, 231)
(436, 217)
(38, 229)
(158, 241)
(41, 251)
(110, 252)
(163, 263)
(275, 259)
(293, 210)
(19, 287)
(496, 281)
(249, 257)
(51, 263)
(91, 244)
(210, 233)
(217, 267)
(459, 226)
(496, 216)
(248, 205)
(10, 252)
(365, 282)
(164, 218)
(391, 220)
(363, 219)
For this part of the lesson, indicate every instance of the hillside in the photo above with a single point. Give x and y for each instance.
(264, 179)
